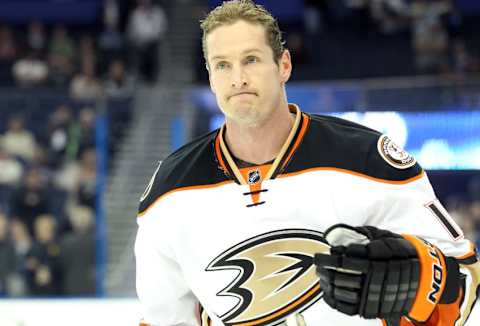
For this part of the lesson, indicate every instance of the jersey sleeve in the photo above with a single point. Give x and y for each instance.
(410, 207)
(164, 295)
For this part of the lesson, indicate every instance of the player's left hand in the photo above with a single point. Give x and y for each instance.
(375, 273)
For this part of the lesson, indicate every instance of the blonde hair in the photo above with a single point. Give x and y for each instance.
(234, 10)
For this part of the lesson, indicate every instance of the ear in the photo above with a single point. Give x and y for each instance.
(285, 66)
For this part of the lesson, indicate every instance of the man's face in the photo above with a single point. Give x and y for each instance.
(247, 82)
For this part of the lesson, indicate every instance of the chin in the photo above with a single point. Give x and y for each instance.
(250, 120)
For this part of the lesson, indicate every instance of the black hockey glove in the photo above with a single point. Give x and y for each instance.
(375, 273)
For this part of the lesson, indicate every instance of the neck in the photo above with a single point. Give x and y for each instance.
(261, 143)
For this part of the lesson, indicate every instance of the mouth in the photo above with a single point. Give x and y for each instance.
(243, 93)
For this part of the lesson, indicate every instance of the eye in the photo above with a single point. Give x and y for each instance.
(221, 65)
(251, 59)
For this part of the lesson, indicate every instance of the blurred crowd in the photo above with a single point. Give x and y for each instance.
(91, 62)
(433, 29)
(467, 214)
(48, 158)
(349, 39)
(47, 205)
(465, 209)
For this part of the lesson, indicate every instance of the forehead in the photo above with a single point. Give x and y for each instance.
(227, 40)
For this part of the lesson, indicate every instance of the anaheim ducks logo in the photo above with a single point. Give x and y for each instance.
(276, 276)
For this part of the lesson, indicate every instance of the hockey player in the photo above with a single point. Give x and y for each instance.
(282, 217)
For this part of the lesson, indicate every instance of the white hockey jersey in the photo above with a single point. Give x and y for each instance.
(221, 245)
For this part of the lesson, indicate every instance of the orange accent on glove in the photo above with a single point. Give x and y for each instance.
(433, 273)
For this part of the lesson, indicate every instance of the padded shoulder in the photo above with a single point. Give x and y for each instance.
(331, 142)
(191, 165)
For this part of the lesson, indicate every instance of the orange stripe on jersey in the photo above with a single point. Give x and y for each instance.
(292, 174)
(286, 145)
(432, 278)
(255, 189)
(142, 323)
(218, 152)
(299, 139)
(256, 186)
(182, 189)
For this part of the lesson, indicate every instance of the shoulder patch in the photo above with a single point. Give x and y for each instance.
(394, 154)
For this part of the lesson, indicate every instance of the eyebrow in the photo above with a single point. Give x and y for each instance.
(243, 52)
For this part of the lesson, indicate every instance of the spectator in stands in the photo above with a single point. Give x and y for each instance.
(31, 199)
(30, 70)
(81, 138)
(312, 17)
(22, 242)
(61, 55)
(17, 140)
(88, 51)
(111, 13)
(82, 134)
(86, 86)
(87, 177)
(119, 84)
(8, 54)
(10, 169)
(390, 15)
(77, 258)
(86, 136)
(296, 45)
(430, 37)
(463, 62)
(459, 210)
(146, 29)
(111, 42)
(60, 130)
(7, 255)
(79, 179)
(8, 45)
(43, 274)
(37, 38)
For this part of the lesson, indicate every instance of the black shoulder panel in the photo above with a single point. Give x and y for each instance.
(191, 165)
(332, 142)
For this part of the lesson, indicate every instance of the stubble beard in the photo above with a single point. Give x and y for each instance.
(247, 116)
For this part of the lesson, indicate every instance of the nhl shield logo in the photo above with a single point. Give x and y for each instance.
(254, 177)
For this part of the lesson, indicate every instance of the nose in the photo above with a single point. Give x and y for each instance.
(239, 79)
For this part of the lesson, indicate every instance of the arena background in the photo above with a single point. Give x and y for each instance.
(94, 93)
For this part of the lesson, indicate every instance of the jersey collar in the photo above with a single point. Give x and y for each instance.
(227, 163)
